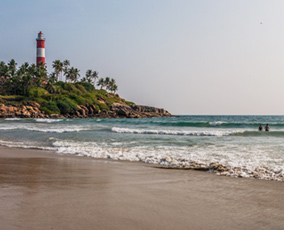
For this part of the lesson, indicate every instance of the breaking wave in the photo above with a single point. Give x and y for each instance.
(44, 120)
(175, 132)
(13, 119)
(47, 130)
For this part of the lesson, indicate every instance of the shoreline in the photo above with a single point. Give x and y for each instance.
(259, 173)
(45, 190)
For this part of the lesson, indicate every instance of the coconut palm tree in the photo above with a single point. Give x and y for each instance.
(101, 83)
(23, 69)
(76, 74)
(52, 77)
(107, 82)
(73, 74)
(112, 87)
(89, 75)
(12, 67)
(69, 74)
(57, 65)
(50, 88)
(2, 65)
(32, 69)
(66, 64)
(4, 70)
(26, 83)
(41, 71)
(95, 76)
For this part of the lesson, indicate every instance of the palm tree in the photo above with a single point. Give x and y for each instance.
(50, 88)
(12, 67)
(112, 87)
(41, 71)
(110, 83)
(39, 81)
(52, 77)
(101, 83)
(107, 82)
(26, 83)
(76, 74)
(23, 69)
(89, 75)
(69, 74)
(58, 68)
(2, 64)
(73, 74)
(95, 75)
(4, 70)
(66, 64)
(32, 69)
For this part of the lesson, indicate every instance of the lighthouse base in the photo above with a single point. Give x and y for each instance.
(39, 60)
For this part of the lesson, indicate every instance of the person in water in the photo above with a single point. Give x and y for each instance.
(267, 127)
(260, 128)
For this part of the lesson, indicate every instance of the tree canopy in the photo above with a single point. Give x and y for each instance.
(19, 81)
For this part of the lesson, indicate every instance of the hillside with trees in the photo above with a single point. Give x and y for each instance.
(30, 91)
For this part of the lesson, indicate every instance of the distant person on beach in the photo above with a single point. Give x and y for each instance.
(260, 128)
(267, 127)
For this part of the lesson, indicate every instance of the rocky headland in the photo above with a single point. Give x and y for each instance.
(117, 110)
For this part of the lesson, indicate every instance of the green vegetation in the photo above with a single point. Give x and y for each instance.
(30, 83)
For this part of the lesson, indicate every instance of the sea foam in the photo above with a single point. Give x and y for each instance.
(43, 120)
(13, 119)
(216, 123)
(46, 130)
(225, 163)
(176, 132)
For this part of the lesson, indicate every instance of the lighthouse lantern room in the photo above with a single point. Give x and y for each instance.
(40, 49)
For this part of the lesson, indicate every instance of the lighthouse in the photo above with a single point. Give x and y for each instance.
(40, 49)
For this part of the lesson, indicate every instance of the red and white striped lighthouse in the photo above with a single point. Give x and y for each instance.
(40, 49)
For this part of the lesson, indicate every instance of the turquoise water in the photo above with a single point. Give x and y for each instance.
(228, 140)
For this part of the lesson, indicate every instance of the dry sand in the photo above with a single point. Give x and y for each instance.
(43, 190)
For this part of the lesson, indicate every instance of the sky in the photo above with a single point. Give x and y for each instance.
(191, 57)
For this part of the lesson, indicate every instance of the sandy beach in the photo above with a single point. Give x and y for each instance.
(44, 190)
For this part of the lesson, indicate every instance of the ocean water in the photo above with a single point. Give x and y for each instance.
(233, 141)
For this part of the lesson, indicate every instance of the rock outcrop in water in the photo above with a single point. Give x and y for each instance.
(118, 110)
(134, 111)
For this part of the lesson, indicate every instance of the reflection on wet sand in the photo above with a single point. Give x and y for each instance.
(48, 191)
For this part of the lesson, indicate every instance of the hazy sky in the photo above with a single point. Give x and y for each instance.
(189, 57)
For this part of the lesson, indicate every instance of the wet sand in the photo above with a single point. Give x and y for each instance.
(44, 190)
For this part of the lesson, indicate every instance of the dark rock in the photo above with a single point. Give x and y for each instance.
(118, 110)
(77, 113)
(138, 111)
